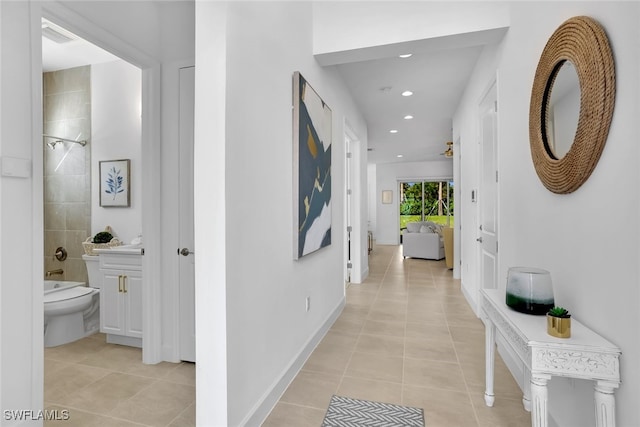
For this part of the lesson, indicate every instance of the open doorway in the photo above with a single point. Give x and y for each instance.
(148, 112)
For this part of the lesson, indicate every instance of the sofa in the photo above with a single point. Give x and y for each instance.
(423, 239)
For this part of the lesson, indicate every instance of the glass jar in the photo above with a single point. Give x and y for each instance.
(529, 290)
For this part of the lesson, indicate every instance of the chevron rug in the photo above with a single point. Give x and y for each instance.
(347, 412)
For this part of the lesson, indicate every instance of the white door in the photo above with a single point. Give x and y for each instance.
(488, 192)
(133, 303)
(187, 317)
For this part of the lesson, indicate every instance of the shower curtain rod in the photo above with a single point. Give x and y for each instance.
(82, 142)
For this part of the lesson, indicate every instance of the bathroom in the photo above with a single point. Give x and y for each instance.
(94, 100)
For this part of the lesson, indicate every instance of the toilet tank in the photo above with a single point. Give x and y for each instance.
(93, 270)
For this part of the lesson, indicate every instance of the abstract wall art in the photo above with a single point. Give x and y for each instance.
(311, 169)
(114, 183)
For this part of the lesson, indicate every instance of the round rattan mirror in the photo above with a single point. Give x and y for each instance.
(582, 42)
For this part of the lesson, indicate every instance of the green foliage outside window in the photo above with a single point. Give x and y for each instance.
(432, 202)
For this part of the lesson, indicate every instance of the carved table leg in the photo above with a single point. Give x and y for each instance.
(605, 404)
(526, 396)
(490, 356)
(539, 399)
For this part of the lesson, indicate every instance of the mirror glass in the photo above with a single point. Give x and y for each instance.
(563, 110)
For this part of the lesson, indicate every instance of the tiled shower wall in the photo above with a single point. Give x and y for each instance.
(67, 173)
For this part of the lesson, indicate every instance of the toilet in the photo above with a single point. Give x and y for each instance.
(73, 313)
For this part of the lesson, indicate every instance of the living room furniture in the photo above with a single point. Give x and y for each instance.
(447, 235)
(422, 240)
(586, 355)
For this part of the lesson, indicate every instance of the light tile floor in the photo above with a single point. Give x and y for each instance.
(406, 336)
(107, 385)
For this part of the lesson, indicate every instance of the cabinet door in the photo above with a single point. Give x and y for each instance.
(112, 313)
(133, 297)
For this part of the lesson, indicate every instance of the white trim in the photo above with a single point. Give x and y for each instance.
(151, 227)
(37, 202)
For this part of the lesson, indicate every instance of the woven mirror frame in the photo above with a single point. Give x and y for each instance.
(582, 41)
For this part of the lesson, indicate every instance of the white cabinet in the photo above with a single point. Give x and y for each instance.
(121, 298)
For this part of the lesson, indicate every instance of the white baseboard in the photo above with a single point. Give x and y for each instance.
(263, 407)
(471, 301)
(122, 340)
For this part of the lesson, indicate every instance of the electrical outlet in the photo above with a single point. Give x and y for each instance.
(307, 303)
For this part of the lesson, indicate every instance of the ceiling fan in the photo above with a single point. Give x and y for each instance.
(449, 151)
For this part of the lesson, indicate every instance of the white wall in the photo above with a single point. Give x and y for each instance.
(371, 199)
(595, 271)
(267, 326)
(21, 201)
(388, 177)
(387, 22)
(21, 361)
(116, 134)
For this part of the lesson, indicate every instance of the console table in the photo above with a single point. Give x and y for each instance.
(585, 355)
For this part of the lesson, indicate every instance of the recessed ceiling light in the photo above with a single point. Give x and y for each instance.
(407, 93)
(399, 155)
(408, 117)
(405, 55)
(393, 131)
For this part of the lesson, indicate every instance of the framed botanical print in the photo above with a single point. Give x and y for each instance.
(114, 183)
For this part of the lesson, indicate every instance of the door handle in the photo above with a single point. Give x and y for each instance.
(184, 252)
(120, 283)
(479, 239)
(124, 282)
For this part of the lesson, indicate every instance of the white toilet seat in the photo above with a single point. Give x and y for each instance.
(69, 300)
(67, 294)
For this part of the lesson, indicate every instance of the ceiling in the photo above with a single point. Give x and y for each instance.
(68, 50)
(436, 73)
(437, 80)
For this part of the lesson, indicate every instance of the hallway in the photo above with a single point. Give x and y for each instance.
(406, 336)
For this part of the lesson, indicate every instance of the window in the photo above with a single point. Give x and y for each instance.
(426, 201)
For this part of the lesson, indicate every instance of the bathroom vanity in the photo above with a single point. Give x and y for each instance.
(121, 295)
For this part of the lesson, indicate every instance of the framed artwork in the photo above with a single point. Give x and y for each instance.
(311, 169)
(387, 197)
(114, 183)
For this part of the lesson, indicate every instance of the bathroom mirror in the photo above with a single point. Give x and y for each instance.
(564, 163)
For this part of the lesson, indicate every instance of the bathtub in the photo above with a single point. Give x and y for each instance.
(58, 285)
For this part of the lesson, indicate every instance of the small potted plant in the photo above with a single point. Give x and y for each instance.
(559, 322)
(102, 240)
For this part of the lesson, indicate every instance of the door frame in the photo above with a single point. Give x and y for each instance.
(492, 88)
(151, 176)
(353, 211)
